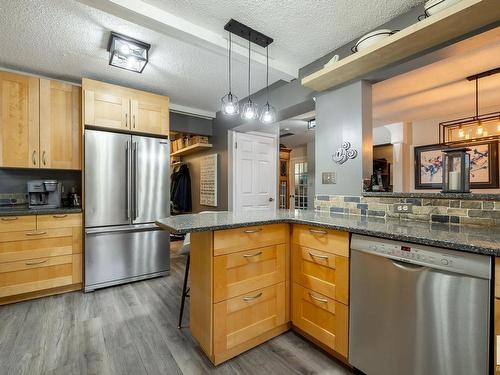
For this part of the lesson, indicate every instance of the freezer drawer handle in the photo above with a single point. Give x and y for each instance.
(35, 233)
(252, 255)
(317, 231)
(322, 300)
(9, 218)
(252, 298)
(34, 262)
(318, 256)
(249, 231)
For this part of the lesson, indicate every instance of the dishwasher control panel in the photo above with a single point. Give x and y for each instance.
(445, 259)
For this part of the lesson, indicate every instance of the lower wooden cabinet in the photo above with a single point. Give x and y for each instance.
(321, 317)
(43, 260)
(496, 335)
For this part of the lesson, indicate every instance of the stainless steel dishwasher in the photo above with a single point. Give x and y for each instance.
(417, 310)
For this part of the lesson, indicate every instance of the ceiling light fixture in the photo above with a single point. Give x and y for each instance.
(268, 115)
(230, 105)
(477, 127)
(127, 53)
(250, 109)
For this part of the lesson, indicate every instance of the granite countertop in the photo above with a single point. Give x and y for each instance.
(474, 239)
(460, 196)
(23, 210)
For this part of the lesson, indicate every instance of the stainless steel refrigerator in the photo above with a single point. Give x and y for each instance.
(127, 188)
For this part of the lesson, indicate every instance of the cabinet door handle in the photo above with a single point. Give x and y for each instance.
(35, 233)
(9, 218)
(43, 158)
(252, 255)
(32, 263)
(133, 119)
(33, 157)
(248, 231)
(322, 300)
(252, 298)
(59, 216)
(126, 120)
(318, 256)
(317, 231)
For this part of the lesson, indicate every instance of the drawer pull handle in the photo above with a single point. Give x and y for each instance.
(35, 233)
(59, 216)
(9, 218)
(248, 231)
(318, 256)
(322, 300)
(32, 263)
(317, 231)
(252, 298)
(252, 255)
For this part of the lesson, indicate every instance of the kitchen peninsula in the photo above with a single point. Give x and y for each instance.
(255, 275)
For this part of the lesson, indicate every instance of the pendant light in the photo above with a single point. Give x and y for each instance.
(229, 102)
(250, 110)
(268, 115)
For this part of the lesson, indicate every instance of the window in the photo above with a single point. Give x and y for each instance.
(300, 176)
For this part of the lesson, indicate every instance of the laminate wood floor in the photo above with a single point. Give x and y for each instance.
(132, 329)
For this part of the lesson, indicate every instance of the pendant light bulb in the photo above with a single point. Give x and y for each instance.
(498, 124)
(229, 103)
(250, 110)
(480, 129)
(268, 115)
(461, 133)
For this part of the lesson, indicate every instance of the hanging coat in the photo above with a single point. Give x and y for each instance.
(180, 190)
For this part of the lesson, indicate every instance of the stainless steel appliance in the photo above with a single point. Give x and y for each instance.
(418, 310)
(44, 194)
(127, 188)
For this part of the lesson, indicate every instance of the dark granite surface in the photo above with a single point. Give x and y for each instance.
(25, 210)
(460, 196)
(475, 239)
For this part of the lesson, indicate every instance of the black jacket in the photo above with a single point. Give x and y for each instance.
(180, 190)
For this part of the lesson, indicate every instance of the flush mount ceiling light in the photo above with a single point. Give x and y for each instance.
(127, 53)
(268, 115)
(478, 127)
(230, 105)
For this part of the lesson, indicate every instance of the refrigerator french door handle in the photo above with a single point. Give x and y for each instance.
(135, 194)
(127, 178)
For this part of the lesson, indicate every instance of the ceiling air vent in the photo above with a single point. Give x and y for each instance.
(283, 135)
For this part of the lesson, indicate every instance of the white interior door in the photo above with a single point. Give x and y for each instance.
(255, 172)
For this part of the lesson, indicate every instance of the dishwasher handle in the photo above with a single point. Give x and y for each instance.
(407, 266)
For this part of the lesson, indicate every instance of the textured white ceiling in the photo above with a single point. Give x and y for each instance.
(67, 40)
(439, 89)
(303, 30)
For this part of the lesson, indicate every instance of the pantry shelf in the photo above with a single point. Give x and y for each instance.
(192, 149)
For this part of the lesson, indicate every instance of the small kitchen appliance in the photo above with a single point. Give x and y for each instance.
(44, 193)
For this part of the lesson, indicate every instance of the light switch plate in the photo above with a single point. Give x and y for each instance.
(403, 208)
(329, 178)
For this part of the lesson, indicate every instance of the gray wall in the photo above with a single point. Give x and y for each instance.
(344, 114)
(311, 173)
(14, 180)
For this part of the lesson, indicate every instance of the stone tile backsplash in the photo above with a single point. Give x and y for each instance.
(444, 210)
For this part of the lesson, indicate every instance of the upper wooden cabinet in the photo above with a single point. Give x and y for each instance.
(60, 125)
(116, 107)
(40, 124)
(19, 121)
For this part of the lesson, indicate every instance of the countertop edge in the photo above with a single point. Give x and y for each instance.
(49, 211)
(391, 236)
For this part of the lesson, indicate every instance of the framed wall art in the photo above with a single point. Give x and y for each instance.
(483, 168)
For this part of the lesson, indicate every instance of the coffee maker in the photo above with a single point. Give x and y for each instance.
(44, 193)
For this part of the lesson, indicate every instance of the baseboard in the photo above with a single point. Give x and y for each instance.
(40, 294)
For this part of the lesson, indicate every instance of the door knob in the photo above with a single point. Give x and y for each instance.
(271, 199)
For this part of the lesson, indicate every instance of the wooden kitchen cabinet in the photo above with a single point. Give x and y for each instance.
(19, 121)
(60, 125)
(41, 257)
(117, 107)
(496, 320)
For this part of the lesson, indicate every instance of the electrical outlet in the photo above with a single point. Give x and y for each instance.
(403, 208)
(329, 178)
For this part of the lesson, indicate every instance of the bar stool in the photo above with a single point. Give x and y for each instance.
(186, 250)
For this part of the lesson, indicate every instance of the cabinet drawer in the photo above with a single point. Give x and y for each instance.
(35, 234)
(15, 223)
(321, 317)
(31, 280)
(323, 272)
(242, 272)
(35, 263)
(239, 239)
(243, 318)
(328, 240)
(58, 221)
(37, 248)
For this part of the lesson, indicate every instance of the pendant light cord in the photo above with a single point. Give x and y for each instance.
(249, 51)
(230, 46)
(477, 98)
(267, 73)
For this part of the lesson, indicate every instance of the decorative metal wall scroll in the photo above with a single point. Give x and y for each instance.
(344, 153)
